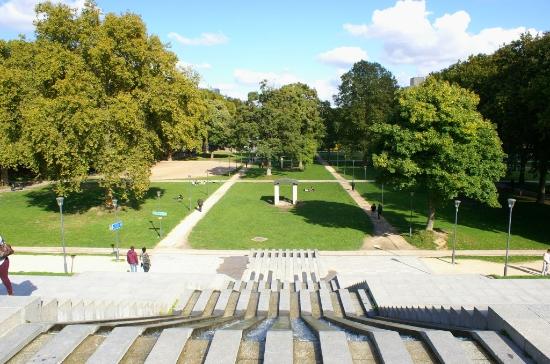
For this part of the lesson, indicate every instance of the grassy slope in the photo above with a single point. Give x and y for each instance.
(31, 218)
(326, 219)
(312, 172)
(479, 226)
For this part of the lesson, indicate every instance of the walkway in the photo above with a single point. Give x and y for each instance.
(385, 236)
(177, 238)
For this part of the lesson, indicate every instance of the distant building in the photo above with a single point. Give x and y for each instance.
(415, 81)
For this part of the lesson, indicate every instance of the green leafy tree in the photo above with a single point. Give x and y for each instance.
(366, 96)
(440, 144)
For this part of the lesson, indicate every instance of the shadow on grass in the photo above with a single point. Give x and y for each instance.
(76, 203)
(332, 214)
(529, 219)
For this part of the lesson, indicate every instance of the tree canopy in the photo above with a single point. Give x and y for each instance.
(441, 144)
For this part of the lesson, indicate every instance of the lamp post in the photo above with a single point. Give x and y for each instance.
(511, 202)
(190, 184)
(353, 169)
(115, 205)
(365, 171)
(382, 194)
(457, 204)
(345, 162)
(207, 182)
(411, 214)
(60, 200)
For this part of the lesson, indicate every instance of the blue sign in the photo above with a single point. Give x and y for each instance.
(160, 213)
(116, 226)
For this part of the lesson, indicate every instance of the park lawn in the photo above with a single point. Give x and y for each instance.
(500, 259)
(326, 219)
(31, 217)
(356, 173)
(313, 171)
(479, 226)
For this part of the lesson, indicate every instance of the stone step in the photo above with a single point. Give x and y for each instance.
(183, 299)
(31, 306)
(223, 300)
(445, 347)
(224, 347)
(326, 301)
(114, 347)
(500, 348)
(11, 317)
(279, 347)
(366, 303)
(169, 346)
(200, 305)
(347, 303)
(284, 302)
(62, 344)
(242, 303)
(390, 347)
(263, 303)
(17, 338)
(305, 303)
(334, 347)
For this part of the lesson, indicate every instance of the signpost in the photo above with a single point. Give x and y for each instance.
(116, 226)
(160, 215)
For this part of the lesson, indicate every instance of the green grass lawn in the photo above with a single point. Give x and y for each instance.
(500, 259)
(325, 219)
(479, 226)
(313, 172)
(31, 218)
(356, 173)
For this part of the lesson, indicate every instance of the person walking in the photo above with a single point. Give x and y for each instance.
(353, 185)
(5, 251)
(200, 202)
(546, 263)
(145, 260)
(379, 209)
(132, 259)
(373, 209)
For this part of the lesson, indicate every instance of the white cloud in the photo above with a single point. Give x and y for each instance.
(19, 14)
(206, 39)
(195, 66)
(410, 37)
(326, 88)
(342, 56)
(249, 77)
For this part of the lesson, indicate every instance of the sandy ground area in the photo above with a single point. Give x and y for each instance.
(471, 266)
(173, 170)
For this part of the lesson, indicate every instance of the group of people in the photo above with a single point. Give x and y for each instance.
(133, 260)
(375, 209)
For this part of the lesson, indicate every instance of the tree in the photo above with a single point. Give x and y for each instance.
(441, 144)
(218, 117)
(366, 96)
(289, 123)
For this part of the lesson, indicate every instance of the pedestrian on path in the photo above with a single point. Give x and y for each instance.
(353, 185)
(5, 251)
(132, 259)
(373, 208)
(546, 263)
(379, 209)
(145, 260)
(200, 202)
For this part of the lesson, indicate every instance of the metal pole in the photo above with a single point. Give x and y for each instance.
(457, 203)
(382, 194)
(63, 240)
(511, 206)
(353, 168)
(345, 164)
(117, 237)
(160, 226)
(411, 214)
(190, 183)
(365, 170)
(207, 182)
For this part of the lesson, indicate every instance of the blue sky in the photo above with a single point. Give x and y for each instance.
(235, 44)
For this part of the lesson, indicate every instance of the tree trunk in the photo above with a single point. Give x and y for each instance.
(301, 165)
(169, 156)
(431, 214)
(212, 155)
(541, 194)
(4, 178)
(268, 172)
(522, 166)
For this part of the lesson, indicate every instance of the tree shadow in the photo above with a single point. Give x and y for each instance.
(333, 214)
(80, 202)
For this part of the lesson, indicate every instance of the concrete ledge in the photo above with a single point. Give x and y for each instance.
(445, 347)
(224, 347)
(279, 347)
(114, 347)
(242, 303)
(345, 300)
(31, 306)
(223, 300)
(390, 347)
(305, 303)
(200, 305)
(169, 346)
(325, 301)
(284, 302)
(263, 303)
(499, 347)
(334, 347)
(17, 338)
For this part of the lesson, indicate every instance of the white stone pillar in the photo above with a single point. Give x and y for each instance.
(276, 193)
(294, 194)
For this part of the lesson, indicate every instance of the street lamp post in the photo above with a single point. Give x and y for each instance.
(511, 202)
(365, 172)
(457, 204)
(411, 214)
(353, 168)
(345, 162)
(60, 204)
(382, 194)
(160, 217)
(190, 185)
(115, 205)
(207, 182)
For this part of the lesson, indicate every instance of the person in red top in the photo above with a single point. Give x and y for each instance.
(132, 259)
(4, 267)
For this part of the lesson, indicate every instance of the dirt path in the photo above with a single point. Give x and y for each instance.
(385, 236)
(177, 170)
